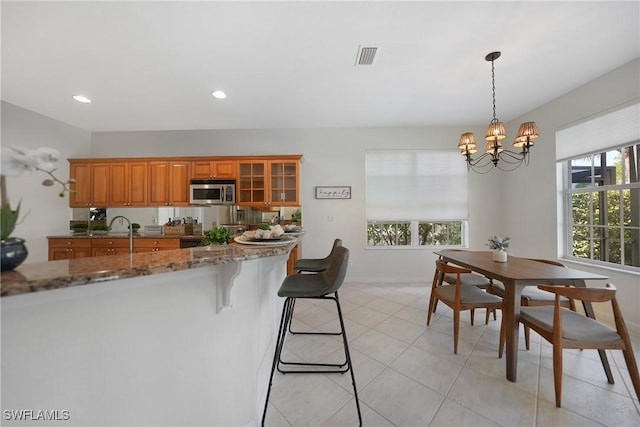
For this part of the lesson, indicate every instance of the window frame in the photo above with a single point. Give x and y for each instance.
(593, 223)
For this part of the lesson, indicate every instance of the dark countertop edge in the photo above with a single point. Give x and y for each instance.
(15, 283)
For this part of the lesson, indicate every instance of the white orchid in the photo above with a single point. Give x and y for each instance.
(14, 162)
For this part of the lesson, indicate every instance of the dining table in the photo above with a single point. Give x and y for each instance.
(517, 273)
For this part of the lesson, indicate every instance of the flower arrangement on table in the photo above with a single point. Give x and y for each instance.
(15, 161)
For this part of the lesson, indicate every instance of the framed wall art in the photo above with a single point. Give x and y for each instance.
(333, 192)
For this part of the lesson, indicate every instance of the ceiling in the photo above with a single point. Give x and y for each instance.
(153, 65)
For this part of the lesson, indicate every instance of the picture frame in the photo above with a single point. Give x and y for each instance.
(333, 192)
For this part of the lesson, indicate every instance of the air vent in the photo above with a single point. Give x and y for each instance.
(366, 55)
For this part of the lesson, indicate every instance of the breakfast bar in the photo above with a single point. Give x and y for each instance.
(176, 337)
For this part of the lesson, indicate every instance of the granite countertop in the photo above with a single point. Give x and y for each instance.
(42, 276)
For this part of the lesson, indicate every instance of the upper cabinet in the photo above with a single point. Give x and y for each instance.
(213, 169)
(169, 183)
(261, 181)
(128, 183)
(91, 184)
(266, 183)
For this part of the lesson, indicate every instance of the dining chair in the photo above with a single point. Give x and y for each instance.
(470, 279)
(564, 328)
(532, 296)
(320, 286)
(458, 297)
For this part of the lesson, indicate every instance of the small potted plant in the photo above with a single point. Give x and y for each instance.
(217, 236)
(99, 229)
(80, 227)
(499, 247)
(135, 227)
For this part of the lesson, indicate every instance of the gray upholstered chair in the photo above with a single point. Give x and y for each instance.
(316, 265)
(532, 296)
(458, 297)
(471, 279)
(567, 329)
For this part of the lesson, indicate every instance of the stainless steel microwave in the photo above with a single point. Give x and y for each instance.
(212, 192)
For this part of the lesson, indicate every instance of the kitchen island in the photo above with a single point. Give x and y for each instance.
(177, 337)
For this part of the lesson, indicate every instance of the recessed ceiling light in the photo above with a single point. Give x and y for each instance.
(218, 94)
(82, 99)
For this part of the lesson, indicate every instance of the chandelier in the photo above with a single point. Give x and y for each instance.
(495, 154)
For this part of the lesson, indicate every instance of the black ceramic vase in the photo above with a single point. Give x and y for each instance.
(14, 252)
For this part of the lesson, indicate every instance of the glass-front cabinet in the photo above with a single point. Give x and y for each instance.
(265, 183)
(284, 183)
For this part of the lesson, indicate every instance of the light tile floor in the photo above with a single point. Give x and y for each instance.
(407, 374)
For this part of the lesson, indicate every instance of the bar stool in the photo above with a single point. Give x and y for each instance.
(316, 265)
(323, 285)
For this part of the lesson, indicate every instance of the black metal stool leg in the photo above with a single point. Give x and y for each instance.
(348, 356)
(287, 310)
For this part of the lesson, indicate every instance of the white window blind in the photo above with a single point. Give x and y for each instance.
(598, 134)
(415, 185)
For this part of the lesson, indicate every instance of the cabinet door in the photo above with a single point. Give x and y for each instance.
(80, 194)
(252, 183)
(224, 169)
(158, 183)
(179, 175)
(91, 186)
(119, 184)
(99, 184)
(138, 184)
(69, 248)
(213, 169)
(284, 183)
(155, 245)
(106, 247)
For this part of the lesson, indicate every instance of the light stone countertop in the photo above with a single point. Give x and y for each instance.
(42, 276)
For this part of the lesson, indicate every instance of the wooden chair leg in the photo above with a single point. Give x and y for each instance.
(432, 301)
(557, 373)
(456, 330)
(503, 337)
(527, 336)
(486, 318)
(473, 312)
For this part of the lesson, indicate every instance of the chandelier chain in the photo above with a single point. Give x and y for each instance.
(493, 87)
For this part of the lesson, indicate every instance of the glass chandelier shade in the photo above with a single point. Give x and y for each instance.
(495, 154)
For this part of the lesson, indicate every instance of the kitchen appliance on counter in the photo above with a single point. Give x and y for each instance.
(212, 191)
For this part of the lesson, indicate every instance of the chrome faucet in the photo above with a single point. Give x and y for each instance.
(130, 230)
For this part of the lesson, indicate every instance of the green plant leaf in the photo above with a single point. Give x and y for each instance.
(8, 220)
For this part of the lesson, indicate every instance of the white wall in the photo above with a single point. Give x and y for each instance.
(43, 211)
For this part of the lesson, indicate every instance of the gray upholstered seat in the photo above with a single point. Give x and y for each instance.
(316, 265)
(567, 329)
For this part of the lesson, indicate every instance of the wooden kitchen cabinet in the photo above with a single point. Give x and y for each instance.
(69, 248)
(91, 186)
(213, 169)
(154, 245)
(169, 183)
(106, 246)
(265, 183)
(128, 183)
(284, 183)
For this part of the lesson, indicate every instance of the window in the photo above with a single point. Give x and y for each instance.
(603, 200)
(599, 164)
(415, 198)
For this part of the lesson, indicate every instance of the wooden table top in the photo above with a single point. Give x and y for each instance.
(516, 268)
